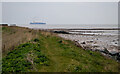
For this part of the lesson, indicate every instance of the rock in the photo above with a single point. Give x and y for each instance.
(89, 41)
(113, 40)
(77, 44)
(113, 53)
(105, 51)
(83, 43)
(118, 56)
(117, 39)
(62, 32)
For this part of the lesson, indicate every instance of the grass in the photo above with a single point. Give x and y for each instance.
(23, 57)
(49, 53)
(13, 36)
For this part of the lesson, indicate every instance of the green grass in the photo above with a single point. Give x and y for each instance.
(22, 57)
(50, 53)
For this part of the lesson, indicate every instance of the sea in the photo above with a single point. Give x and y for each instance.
(68, 26)
(78, 26)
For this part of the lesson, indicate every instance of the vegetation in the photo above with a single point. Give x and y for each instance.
(13, 36)
(24, 57)
(49, 53)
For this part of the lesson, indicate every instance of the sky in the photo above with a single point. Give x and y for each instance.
(119, 14)
(0, 12)
(60, 12)
(60, 0)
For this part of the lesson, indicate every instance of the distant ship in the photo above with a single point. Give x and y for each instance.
(37, 23)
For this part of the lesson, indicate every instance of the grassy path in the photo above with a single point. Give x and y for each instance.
(67, 57)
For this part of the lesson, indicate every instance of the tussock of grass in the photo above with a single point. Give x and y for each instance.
(49, 53)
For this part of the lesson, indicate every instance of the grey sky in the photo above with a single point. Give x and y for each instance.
(60, 13)
(119, 14)
(0, 12)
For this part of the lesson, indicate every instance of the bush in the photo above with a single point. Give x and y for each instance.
(24, 45)
(36, 40)
(41, 59)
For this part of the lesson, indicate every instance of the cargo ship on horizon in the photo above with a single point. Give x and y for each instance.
(37, 23)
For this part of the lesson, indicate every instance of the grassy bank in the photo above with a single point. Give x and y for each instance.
(45, 52)
(13, 36)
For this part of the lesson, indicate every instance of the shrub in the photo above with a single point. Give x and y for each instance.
(41, 59)
(36, 40)
(24, 45)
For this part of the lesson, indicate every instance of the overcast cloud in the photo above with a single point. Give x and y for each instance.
(60, 12)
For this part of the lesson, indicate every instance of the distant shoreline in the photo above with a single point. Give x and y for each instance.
(88, 29)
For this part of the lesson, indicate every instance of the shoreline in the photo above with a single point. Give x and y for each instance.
(108, 45)
(91, 41)
(87, 29)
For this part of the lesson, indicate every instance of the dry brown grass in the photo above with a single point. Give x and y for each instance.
(46, 33)
(13, 36)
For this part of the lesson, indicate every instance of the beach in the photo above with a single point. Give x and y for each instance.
(104, 40)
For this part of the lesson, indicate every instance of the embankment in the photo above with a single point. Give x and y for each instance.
(39, 51)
